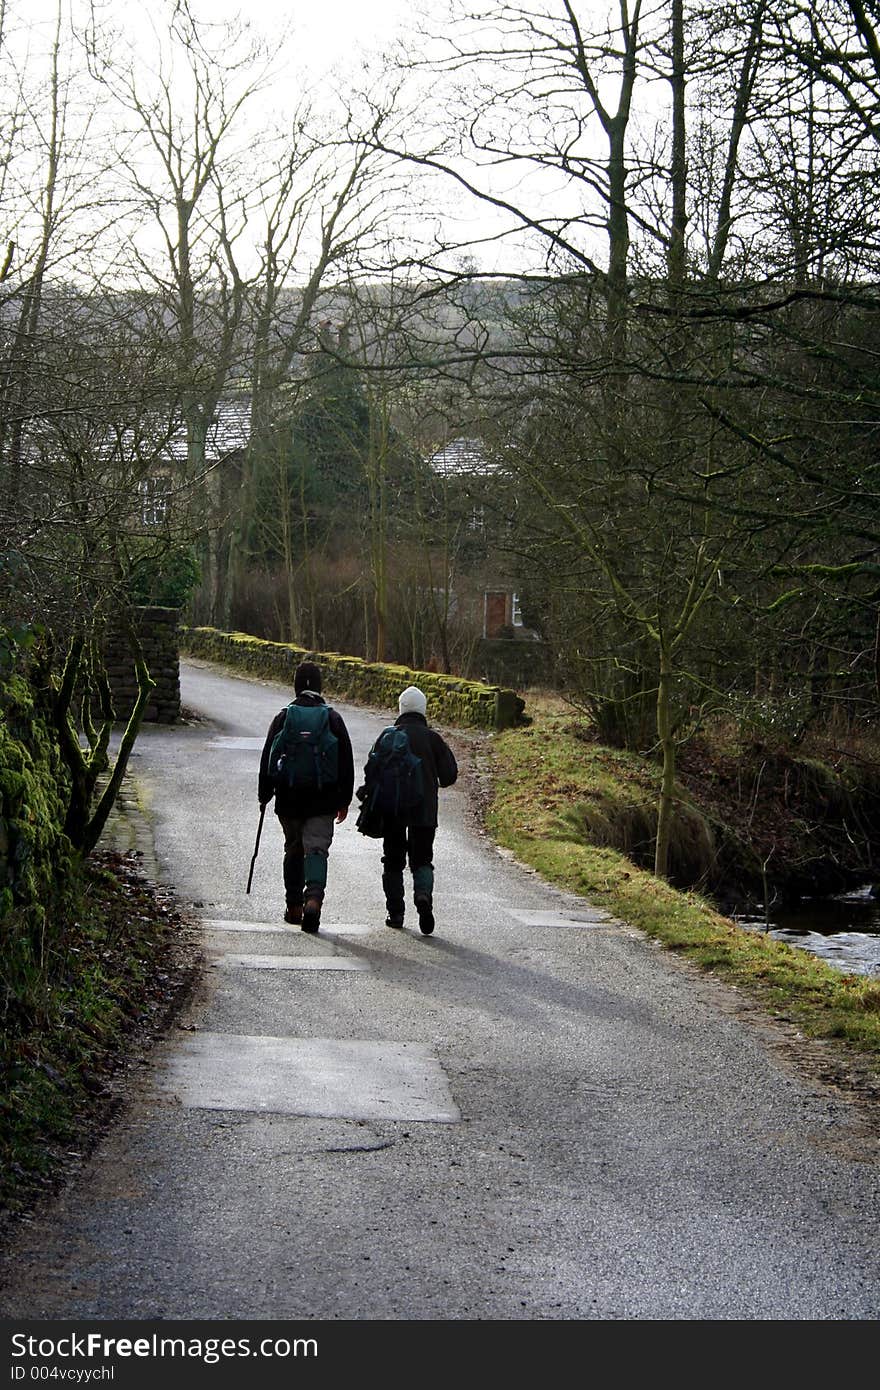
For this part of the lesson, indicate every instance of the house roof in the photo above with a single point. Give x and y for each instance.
(228, 432)
(460, 457)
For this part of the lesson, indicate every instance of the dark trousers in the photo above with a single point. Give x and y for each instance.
(307, 841)
(402, 843)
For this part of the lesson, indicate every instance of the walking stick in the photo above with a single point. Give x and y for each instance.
(256, 847)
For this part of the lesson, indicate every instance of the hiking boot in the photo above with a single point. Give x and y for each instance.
(394, 919)
(425, 910)
(311, 914)
(293, 915)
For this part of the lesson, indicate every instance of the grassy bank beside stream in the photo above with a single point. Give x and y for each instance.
(553, 792)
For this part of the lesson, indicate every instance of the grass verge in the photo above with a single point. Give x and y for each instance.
(540, 773)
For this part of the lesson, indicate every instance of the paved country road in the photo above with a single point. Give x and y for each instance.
(533, 1114)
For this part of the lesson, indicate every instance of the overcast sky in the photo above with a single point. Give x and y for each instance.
(331, 29)
(318, 36)
(327, 32)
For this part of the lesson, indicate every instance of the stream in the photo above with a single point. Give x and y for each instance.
(844, 930)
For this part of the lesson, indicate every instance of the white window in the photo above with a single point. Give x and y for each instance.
(515, 611)
(154, 496)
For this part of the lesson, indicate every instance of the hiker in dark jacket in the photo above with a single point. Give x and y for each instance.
(308, 813)
(411, 837)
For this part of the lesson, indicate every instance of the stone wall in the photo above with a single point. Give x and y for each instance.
(34, 852)
(451, 700)
(157, 630)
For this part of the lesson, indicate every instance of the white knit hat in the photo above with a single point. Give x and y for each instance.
(412, 701)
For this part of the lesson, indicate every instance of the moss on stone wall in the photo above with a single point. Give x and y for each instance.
(451, 700)
(35, 854)
(39, 874)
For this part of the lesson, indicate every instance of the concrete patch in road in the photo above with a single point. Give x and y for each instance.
(477, 896)
(237, 745)
(292, 962)
(536, 918)
(348, 929)
(321, 1077)
(539, 917)
(217, 927)
(223, 924)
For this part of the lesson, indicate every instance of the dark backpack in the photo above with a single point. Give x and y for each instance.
(305, 754)
(393, 777)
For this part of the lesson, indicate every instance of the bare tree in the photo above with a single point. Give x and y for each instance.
(323, 203)
(182, 151)
(55, 204)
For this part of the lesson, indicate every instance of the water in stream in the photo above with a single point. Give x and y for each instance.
(844, 931)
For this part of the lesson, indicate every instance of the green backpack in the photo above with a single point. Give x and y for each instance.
(393, 778)
(305, 754)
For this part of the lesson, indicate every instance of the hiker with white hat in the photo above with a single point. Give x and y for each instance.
(401, 781)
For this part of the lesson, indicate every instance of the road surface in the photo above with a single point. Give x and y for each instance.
(533, 1114)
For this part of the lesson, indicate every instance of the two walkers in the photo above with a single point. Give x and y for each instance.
(307, 765)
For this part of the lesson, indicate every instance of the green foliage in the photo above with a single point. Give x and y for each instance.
(330, 438)
(14, 640)
(166, 580)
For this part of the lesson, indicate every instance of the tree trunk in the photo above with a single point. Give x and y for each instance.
(287, 551)
(618, 250)
(94, 829)
(676, 261)
(665, 734)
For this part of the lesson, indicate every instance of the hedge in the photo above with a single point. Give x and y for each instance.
(451, 700)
